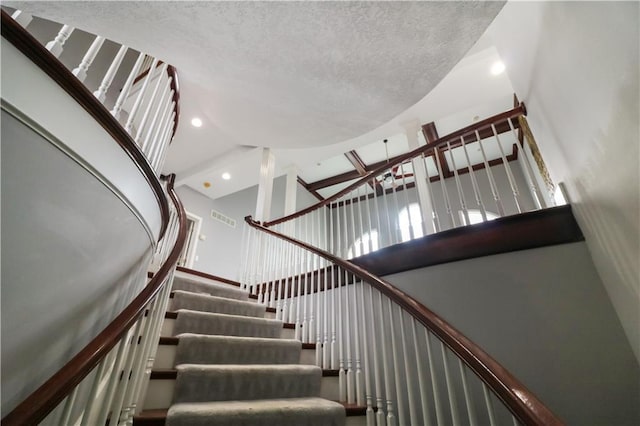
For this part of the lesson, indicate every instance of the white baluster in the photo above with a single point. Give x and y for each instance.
(356, 335)
(434, 382)
(445, 193)
(413, 414)
(412, 232)
(380, 416)
(165, 141)
(81, 70)
(150, 103)
(396, 365)
(388, 385)
(334, 347)
(507, 168)
(453, 404)
(436, 217)
(471, 414)
(390, 231)
(426, 414)
(474, 182)
(56, 46)
(22, 18)
(367, 343)
(489, 405)
(351, 397)
(110, 74)
(140, 98)
(461, 197)
(492, 182)
(326, 353)
(91, 400)
(124, 93)
(105, 409)
(311, 294)
(69, 405)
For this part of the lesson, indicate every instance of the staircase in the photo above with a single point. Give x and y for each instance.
(224, 359)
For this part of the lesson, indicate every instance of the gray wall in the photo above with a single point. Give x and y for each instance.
(576, 65)
(544, 315)
(220, 252)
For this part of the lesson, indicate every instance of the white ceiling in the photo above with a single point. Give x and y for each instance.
(285, 75)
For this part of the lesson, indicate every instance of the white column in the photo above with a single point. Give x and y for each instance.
(22, 18)
(81, 70)
(56, 45)
(265, 186)
(420, 175)
(291, 190)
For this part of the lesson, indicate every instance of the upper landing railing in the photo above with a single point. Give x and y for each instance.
(146, 102)
(473, 175)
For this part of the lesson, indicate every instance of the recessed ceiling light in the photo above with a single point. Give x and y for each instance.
(497, 68)
(226, 176)
(196, 122)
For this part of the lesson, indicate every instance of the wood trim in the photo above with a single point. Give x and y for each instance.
(50, 65)
(520, 401)
(308, 346)
(41, 402)
(169, 340)
(169, 374)
(175, 86)
(312, 191)
(334, 180)
(171, 315)
(452, 137)
(357, 162)
(207, 275)
(430, 135)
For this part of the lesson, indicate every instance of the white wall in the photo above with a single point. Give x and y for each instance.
(575, 64)
(220, 252)
(544, 315)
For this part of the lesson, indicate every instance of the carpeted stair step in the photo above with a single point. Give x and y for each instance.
(162, 385)
(221, 305)
(203, 349)
(202, 383)
(170, 317)
(281, 412)
(202, 286)
(189, 321)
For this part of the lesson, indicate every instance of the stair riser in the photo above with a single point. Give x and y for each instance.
(166, 355)
(168, 330)
(160, 392)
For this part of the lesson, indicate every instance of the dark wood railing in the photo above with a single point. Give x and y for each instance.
(47, 397)
(453, 139)
(525, 406)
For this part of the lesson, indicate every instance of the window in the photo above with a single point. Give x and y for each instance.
(365, 244)
(475, 216)
(410, 222)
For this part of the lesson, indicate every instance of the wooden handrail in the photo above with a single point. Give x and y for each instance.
(521, 402)
(175, 85)
(44, 399)
(451, 137)
(43, 59)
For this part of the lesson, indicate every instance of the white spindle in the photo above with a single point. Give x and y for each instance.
(434, 213)
(124, 93)
(396, 365)
(166, 140)
(408, 374)
(388, 385)
(489, 405)
(426, 414)
(101, 93)
(311, 293)
(434, 382)
(132, 346)
(150, 103)
(445, 193)
(380, 416)
(507, 168)
(453, 403)
(69, 405)
(471, 413)
(342, 380)
(474, 181)
(367, 343)
(81, 70)
(22, 18)
(461, 197)
(105, 409)
(152, 143)
(390, 230)
(359, 390)
(140, 98)
(334, 348)
(91, 399)
(56, 46)
(412, 232)
(492, 182)
(305, 287)
(326, 353)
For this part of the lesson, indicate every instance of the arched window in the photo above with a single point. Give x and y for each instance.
(410, 222)
(364, 245)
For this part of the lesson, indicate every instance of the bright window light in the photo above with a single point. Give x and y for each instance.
(226, 176)
(196, 122)
(497, 68)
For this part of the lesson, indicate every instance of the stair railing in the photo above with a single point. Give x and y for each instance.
(393, 355)
(148, 108)
(399, 200)
(106, 379)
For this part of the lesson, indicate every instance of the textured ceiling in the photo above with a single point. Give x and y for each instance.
(292, 74)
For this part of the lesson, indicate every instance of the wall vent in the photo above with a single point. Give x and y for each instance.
(222, 218)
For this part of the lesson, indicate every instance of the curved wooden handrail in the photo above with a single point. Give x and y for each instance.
(451, 137)
(43, 59)
(175, 85)
(44, 399)
(520, 401)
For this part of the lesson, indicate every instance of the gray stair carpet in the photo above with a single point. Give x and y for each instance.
(223, 324)
(221, 305)
(201, 383)
(233, 368)
(213, 289)
(202, 349)
(280, 412)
